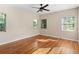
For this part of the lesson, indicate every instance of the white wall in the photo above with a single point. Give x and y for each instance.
(54, 24)
(19, 24)
(78, 26)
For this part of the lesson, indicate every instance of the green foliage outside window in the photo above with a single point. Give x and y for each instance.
(44, 23)
(68, 23)
(2, 22)
(35, 23)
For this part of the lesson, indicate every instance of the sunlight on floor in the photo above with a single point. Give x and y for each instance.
(41, 51)
(61, 50)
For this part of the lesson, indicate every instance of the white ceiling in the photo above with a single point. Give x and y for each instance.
(51, 7)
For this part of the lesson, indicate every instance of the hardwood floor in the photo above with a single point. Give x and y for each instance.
(40, 45)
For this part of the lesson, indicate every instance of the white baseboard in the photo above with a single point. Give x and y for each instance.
(59, 37)
(35, 35)
(18, 39)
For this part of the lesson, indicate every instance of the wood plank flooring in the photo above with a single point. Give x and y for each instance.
(40, 45)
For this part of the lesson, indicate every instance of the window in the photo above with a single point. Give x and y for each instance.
(35, 22)
(68, 23)
(44, 23)
(2, 22)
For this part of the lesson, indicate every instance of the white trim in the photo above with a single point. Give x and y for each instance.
(18, 39)
(59, 37)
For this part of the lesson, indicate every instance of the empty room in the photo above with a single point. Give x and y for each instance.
(39, 28)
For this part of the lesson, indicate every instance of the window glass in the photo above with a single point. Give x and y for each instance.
(44, 23)
(35, 22)
(68, 23)
(2, 22)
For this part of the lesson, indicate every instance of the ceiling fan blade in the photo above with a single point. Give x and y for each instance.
(45, 6)
(46, 9)
(40, 10)
(36, 7)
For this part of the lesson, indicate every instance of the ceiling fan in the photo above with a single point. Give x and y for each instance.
(42, 8)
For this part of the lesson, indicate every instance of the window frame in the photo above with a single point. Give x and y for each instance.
(35, 23)
(43, 23)
(64, 24)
